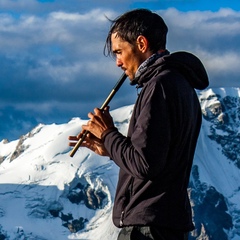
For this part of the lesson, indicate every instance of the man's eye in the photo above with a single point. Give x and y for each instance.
(117, 52)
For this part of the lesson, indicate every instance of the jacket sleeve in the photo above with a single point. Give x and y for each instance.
(144, 153)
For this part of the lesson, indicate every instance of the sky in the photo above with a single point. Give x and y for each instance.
(52, 63)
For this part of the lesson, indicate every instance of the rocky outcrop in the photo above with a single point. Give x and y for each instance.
(85, 194)
(223, 112)
(210, 211)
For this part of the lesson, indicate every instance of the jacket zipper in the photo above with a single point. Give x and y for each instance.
(121, 219)
(128, 193)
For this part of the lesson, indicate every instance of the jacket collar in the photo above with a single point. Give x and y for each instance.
(185, 63)
(144, 66)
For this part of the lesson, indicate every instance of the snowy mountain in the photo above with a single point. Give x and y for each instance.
(47, 195)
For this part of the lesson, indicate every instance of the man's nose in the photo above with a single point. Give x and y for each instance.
(118, 62)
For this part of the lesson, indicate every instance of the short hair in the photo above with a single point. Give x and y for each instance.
(138, 22)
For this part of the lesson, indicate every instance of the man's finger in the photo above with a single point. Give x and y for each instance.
(71, 144)
(72, 138)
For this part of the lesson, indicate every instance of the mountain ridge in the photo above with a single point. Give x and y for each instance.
(48, 195)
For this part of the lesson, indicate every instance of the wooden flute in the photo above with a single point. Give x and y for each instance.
(105, 104)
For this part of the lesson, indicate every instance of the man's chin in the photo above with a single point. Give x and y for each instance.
(133, 81)
(130, 76)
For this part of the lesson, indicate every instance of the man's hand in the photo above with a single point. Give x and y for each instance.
(93, 143)
(99, 122)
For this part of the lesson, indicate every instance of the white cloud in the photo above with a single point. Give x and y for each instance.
(62, 45)
(203, 26)
(52, 57)
(212, 36)
(226, 62)
(62, 42)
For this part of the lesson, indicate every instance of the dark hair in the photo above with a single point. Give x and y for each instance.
(138, 22)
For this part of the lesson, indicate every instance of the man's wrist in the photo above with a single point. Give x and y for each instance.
(105, 133)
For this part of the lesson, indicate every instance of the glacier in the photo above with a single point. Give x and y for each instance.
(47, 195)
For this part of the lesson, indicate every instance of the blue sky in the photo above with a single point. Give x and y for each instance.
(52, 63)
(189, 5)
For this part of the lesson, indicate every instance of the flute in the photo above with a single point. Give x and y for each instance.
(106, 102)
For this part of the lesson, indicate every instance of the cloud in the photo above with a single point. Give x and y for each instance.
(56, 50)
(52, 62)
(212, 36)
(42, 7)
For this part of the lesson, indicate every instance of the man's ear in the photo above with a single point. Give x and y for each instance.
(142, 43)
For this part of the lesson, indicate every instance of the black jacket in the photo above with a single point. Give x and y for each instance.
(155, 158)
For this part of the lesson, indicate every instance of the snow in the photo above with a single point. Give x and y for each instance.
(43, 173)
(226, 178)
(6, 148)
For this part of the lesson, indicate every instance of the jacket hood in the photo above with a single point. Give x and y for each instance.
(186, 63)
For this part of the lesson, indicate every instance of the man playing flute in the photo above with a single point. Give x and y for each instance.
(155, 158)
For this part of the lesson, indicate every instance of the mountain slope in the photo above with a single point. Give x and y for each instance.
(46, 194)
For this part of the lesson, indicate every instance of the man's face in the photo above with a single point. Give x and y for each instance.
(128, 57)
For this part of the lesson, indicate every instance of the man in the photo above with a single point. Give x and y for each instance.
(155, 158)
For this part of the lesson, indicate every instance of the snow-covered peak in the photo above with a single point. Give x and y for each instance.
(46, 194)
